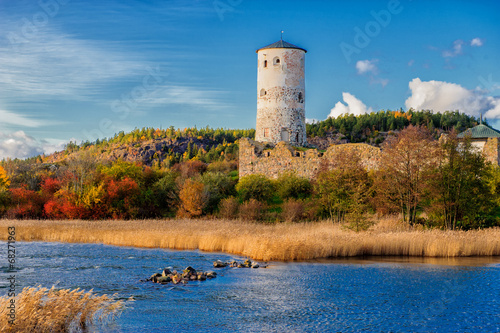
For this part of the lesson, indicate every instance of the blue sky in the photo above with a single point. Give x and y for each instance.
(79, 70)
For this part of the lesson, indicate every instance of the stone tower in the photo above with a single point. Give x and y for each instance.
(281, 94)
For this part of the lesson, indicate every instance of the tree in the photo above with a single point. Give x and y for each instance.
(193, 198)
(4, 180)
(405, 166)
(343, 190)
(257, 187)
(289, 185)
(461, 193)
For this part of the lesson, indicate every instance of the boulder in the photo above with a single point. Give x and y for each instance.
(176, 278)
(163, 279)
(166, 272)
(219, 264)
(202, 277)
(255, 265)
(233, 263)
(247, 263)
(211, 275)
(154, 277)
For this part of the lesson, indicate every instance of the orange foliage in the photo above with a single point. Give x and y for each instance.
(193, 198)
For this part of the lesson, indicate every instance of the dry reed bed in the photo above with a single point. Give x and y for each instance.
(300, 241)
(50, 310)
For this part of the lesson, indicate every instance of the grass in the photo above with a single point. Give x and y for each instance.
(283, 241)
(50, 310)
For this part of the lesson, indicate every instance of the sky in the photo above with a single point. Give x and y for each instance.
(78, 70)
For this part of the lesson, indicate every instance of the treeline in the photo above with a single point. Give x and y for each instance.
(216, 136)
(370, 127)
(445, 183)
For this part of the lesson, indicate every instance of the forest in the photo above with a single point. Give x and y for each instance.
(444, 183)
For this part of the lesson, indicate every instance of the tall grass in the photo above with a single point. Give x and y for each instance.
(286, 241)
(50, 310)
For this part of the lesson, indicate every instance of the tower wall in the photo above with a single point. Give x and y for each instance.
(281, 96)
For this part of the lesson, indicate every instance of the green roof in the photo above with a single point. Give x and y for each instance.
(281, 44)
(480, 132)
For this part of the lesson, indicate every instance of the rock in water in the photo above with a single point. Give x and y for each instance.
(154, 277)
(211, 275)
(247, 263)
(166, 272)
(176, 279)
(255, 265)
(163, 279)
(219, 264)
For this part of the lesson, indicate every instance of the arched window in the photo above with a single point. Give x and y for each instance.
(263, 92)
(301, 98)
(265, 63)
(276, 61)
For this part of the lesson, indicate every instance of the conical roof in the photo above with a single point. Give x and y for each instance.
(281, 44)
(480, 132)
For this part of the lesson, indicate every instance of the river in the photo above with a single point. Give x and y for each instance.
(349, 295)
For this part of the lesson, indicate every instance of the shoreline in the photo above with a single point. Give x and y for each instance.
(264, 242)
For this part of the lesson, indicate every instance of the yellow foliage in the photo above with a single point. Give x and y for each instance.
(93, 196)
(4, 180)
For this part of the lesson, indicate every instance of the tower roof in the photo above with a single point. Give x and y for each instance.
(480, 132)
(281, 44)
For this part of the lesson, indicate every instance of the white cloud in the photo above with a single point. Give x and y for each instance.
(443, 96)
(456, 49)
(59, 65)
(11, 118)
(20, 145)
(367, 66)
(476, 42)
(184, 95)
(312, 120)
(354, 106)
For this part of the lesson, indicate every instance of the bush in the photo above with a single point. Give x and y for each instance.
(190, 168)
(223, 166)
(166, 193)
(217, 187)
(290, 185)
(256, 187)
(25, 204)
(193, 199)
(252, 210)
(293, 210)
(228, 208)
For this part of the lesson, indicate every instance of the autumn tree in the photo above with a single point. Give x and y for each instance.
(193, 198)
(341, 189)
(404, 170)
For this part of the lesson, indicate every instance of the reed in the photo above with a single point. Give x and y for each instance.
(50, 310)
(282, 241)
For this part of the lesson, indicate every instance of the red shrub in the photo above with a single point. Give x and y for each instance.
(25, 204)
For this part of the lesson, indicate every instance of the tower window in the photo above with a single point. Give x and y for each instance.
(301, 98)
(263, 92)
(276, 61)
(265, 63)
(266, 132)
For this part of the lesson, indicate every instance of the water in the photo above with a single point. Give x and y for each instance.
(372, 295)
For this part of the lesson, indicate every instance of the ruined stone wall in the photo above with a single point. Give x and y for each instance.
(256, 159)
(281, 96)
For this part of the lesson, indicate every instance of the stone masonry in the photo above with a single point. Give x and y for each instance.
(281, 96)
(256, 158)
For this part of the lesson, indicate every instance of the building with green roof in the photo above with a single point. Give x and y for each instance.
(486, 139)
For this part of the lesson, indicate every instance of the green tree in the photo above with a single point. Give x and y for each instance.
(257, 187)
(289, 185)
(462, 197)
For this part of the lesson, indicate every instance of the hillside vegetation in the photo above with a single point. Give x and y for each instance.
(190, 173)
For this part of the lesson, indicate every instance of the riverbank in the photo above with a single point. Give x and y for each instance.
(280, 242)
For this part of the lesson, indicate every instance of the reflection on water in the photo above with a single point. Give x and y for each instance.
(344, 295)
